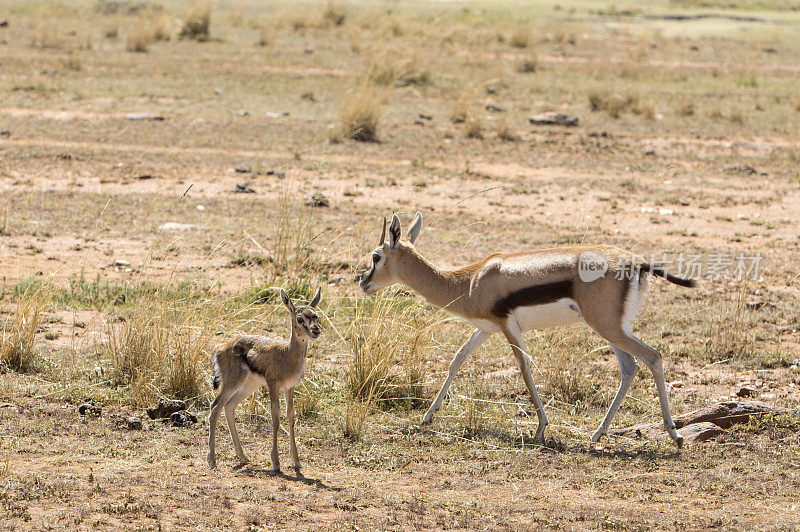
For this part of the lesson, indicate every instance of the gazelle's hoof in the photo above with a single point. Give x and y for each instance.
(426, 420)
(679, 441)
(596, 437)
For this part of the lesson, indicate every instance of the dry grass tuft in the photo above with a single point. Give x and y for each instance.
(139, 36)
(197, 22)
(265, 36)
(360, 113)
(162, 350)
(387, 338)
(460, 110)
(797, 103)
(616, 104)
(333, 15)
(473, 127)
(528, 65)
(505, 131)
(521, 38)
(686, 108)
(17, 346)
(47, 34)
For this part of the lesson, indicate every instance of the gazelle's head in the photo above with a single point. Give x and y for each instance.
(305, 320)
(383, 264)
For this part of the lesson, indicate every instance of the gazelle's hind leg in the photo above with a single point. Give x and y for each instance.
(275, 412)
(514, 338)
(628, 369)
(290, 420)
(651, 358)
(250, 385)
(216, 409)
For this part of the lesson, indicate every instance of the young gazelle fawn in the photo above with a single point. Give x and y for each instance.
(511, 293)
(246, 364)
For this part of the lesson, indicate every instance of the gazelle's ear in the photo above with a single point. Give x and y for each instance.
(287, 301)
(315, 301)
(416, 227)
(394, 231)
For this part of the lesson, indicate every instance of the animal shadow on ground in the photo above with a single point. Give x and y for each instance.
(255, 471)
(551, 445)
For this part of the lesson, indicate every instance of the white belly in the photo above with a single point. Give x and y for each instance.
(561, 312)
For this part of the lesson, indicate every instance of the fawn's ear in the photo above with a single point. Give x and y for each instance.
(315, 301)
(287, 301)
(394, 231)
(416, 227)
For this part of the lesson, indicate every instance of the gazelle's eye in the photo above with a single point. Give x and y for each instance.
(299, 320)
(376, 257)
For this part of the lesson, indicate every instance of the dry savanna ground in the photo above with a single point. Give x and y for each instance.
(272, 138)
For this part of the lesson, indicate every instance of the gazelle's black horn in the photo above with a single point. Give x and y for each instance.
(383, 232)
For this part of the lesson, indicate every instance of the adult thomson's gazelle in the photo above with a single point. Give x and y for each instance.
(511, 293)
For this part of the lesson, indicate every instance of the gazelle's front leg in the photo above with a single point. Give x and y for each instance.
(275, 412)
(514, 337)
(478, 337)
(290, 419)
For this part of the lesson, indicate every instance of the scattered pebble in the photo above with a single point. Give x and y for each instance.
(419, 123)
(181, 418)
(165, 408)
(122, 263)
(308, 50)
(554, 119)
(243, 188)
(146, 176)
(495, 108)
(242, 170)
(677, 384)
(273, 114)
(176, 226)
(218, 92)
(242, 112)
(318, 200)
(649, 151)
(5, 133)
(201, 207)
(143, 116)
(134, 423)
(3, 23)
(89, 409)
(308, 96)
(426, 116)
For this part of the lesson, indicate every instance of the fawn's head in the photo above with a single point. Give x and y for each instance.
(384, 262)
(305, 320)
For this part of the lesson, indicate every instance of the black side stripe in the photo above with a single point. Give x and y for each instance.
(539, 294)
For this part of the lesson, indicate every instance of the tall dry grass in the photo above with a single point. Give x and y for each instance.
(159, 349)
(197, 22)
(360, 113)
(18, 342)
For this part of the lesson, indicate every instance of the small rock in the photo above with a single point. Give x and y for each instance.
(122, 263)
(175, 226)
(218, 92)
(133, 423)
(491, 90)
(743, 169)
(495, 108)
(242, 170)
(308, 96)
(666, 212)
(308, 50)
(181, 418)
(201, 207)
(146, 176)
(272, 114)
(745, 391)
(677, 384)
(143, 116)
(242, 112)
(318, 200)
(89, 409)
(426, 116)
(5, 133)
(419, 123)
(3, 23)
(243, 188)
(648, 151)
(165, 408)
(554, 119)
(699, 432)
(769, 50)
